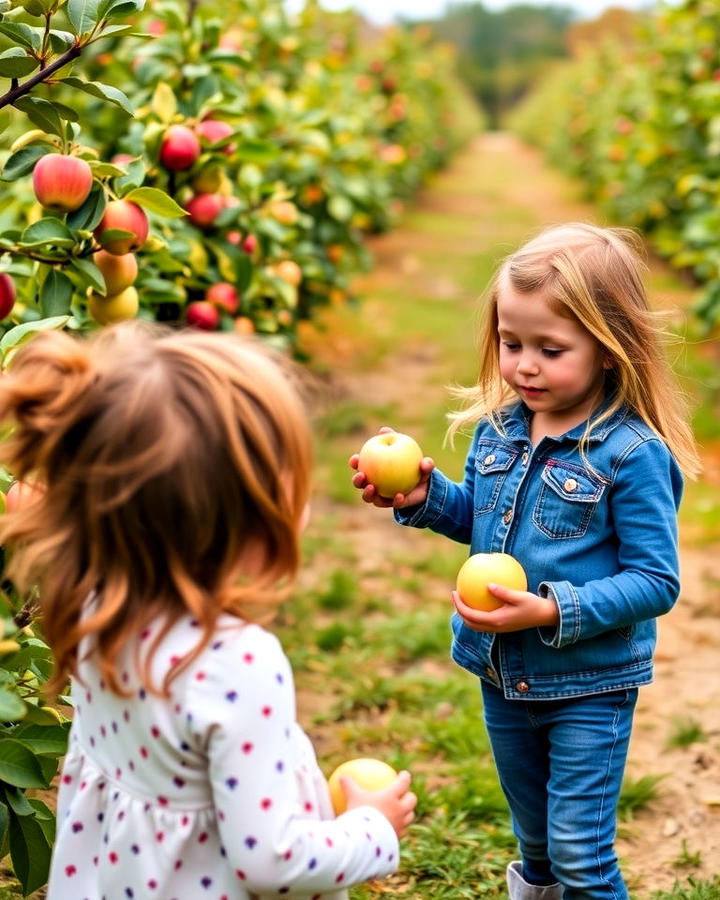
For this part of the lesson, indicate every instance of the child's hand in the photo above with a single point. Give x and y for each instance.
(396, 802)
(520, 609)
(415, 497)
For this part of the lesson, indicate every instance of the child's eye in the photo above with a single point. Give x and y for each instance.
(510, 346)
(551, 354)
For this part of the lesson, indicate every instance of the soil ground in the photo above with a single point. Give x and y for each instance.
(678, 832)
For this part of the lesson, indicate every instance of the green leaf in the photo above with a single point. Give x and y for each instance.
(48, 230)
(156, 201)
(257, 151)
(30, 852)
(11, 706)
(17, 801)
(21, 163)
(19, 766)
(116, 8)
(87, 216)
(23, 35)
(83, 15)
(103, 91)
(15, 63)
(44, 740)
(60, 41)
(90, 273)
(42, 113)
(21, 333)
(56, 294)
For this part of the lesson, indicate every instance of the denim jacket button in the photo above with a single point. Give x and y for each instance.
(522, 687)
(491, 673)
(525, 457)
(489, 460)
(507, 517)
(570, 485)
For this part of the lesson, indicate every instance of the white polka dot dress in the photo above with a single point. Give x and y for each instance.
(212, 793)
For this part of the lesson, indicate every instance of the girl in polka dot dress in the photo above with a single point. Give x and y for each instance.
(176, 469)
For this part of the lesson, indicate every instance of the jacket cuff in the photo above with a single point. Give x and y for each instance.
(424, 515)
(567, 631)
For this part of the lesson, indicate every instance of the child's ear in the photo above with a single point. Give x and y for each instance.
(608, 362)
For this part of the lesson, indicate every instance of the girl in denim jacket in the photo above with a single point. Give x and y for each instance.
(580, 443)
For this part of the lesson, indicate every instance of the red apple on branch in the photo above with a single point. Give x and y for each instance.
(7, 295)
(180, 148)
(123, 215)
(203, 209)
(202, 314)
(213, 130)
(223, 295)
(61, 183)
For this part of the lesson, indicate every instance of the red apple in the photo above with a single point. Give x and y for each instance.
(214, 130)
(119, 272)
(202, 314)
(250, 244)
(7, 295)
(203, 209)
(180, 148)
(224, 295)
(123, 215)
(61, 183)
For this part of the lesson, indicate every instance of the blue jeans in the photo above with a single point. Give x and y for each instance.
(561, 765)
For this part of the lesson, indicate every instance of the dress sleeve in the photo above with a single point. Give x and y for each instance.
(644, 500)
(271, 824)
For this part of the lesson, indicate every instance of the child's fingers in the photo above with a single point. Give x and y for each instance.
(354, 461)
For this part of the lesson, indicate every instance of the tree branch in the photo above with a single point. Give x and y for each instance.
(42, 75)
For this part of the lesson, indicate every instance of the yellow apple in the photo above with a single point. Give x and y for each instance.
(115, 307)
(369, 774)
(482, 569)
(391, 462)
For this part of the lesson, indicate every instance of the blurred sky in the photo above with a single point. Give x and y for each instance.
(384, 11)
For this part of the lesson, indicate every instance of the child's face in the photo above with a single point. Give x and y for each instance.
(553, 363)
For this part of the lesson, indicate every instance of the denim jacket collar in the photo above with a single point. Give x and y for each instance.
(516, 420)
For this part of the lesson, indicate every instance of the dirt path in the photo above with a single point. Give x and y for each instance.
(679, 832)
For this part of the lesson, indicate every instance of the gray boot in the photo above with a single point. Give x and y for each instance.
(520, 889)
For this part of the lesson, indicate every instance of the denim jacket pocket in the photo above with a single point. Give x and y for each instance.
(567, 499)
(492, 463)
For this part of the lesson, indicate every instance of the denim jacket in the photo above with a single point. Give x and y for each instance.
(600, 539)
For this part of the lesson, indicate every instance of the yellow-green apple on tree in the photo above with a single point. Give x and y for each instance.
(482, 569)
(61, 183)
(114, 307)
(288, 270)
(7, 295)
(180, 148)
(122, 215)
(391, 462)
(369, 774)
(119, 272)
(202, 314)
(244, 325)
(223, 295)
(284, 211)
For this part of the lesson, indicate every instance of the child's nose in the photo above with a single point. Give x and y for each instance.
(527, 364)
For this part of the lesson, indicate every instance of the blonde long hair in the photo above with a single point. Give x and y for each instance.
(593, 275)
(168, 459)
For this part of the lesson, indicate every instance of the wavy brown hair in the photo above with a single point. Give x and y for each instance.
(592, 275)
(176, 468)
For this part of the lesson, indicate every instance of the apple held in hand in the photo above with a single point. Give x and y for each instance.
(369, 774)
(482, 569)
(391, 462)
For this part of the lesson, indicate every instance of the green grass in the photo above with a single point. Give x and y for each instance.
(691, 890)
(686, 732)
